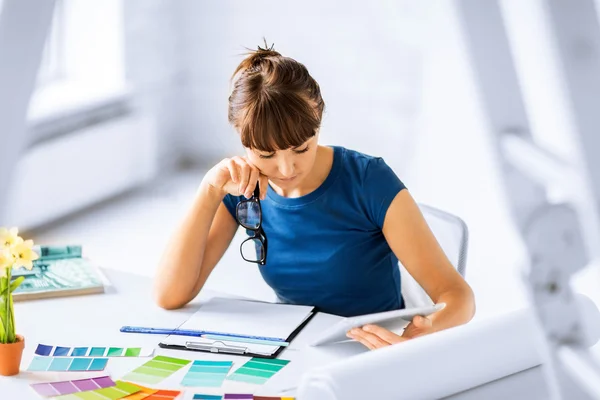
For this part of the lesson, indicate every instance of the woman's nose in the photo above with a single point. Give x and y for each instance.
(286, 168)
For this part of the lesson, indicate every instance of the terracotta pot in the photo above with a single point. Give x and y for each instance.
(10, 356)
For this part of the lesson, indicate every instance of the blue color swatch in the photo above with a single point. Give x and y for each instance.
(67, 364)
(97, 351)
(60, 364)
(98, 364)
(79, 352)
(61, 351)
(81, 364)
(40, 364)
(43, 350)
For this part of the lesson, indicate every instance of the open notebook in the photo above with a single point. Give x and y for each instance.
(244, 318)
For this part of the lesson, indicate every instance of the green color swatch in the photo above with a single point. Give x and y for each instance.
(133, 352)
(114, 352)
(120, 390)
(257, 370)
(157, 369)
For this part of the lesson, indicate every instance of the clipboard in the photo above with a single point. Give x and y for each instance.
(218, 314)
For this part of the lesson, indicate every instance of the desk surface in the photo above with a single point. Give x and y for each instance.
(96, 319)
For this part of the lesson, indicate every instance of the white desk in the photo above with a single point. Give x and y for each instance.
(96, 319)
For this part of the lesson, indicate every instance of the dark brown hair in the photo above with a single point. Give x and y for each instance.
(275, 103)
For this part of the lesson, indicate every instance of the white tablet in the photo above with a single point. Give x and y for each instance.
(338, 331)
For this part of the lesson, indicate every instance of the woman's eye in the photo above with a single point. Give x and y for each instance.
(304, 150)
(267, 156)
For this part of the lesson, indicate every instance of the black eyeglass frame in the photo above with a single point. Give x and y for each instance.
(259, 233)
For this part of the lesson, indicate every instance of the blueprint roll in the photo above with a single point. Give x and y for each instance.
(432, 366)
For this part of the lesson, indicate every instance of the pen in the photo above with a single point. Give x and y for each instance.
(247, 340)
(196, 333)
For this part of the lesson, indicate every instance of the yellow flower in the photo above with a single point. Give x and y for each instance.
(24, 254)
(9, 238)
(6, 261)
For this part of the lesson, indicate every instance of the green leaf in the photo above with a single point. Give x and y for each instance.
(15, 284)
(2, 323)
(7, 312)
(3, 318)
(11, 331)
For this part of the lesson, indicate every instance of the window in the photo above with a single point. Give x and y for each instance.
(53, 61)
(82, 67)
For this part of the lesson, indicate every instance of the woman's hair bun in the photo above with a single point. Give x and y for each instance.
(255, 58)
(274, 102)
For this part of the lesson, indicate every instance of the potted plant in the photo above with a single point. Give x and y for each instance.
(14, 253)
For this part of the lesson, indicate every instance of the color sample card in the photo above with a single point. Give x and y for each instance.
(59, 351)
(157, 369)
(52, 389)
(120, 390)
(237, 396)
(144, 393)
(207, 373)
(164, 395)
(272, 398)
(67, 364)
(257, 370)
(153, 394)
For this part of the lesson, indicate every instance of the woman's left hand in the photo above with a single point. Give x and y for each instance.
(375, 337)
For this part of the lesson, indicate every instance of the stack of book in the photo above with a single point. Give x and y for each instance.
(60, 271)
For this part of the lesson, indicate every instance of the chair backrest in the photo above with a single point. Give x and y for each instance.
(452, 234)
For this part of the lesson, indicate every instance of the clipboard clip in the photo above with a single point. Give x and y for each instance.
(216, 347)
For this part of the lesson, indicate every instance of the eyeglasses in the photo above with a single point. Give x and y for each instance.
(249, 215)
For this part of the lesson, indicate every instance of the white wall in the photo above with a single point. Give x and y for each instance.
(363, 54)
(455, 167)
(154, 59)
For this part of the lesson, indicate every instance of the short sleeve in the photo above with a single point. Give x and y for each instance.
(231, 203)
(380, 185)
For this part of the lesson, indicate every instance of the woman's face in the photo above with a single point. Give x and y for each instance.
(286, 168)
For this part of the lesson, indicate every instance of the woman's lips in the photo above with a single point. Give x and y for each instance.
(287, 179)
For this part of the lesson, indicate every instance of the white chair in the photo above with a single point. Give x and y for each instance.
(452, 234)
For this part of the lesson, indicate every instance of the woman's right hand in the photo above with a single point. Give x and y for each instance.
(236, 176)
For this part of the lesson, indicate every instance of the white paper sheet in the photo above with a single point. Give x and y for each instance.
(433, 366)
(241, 317)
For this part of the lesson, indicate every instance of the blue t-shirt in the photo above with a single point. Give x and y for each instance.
(327, 248)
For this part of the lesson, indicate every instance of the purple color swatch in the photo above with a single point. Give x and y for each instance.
(44, 389)
(104, 381)
(238, 396)
(63, 387)
(52, 389)
(85, 384)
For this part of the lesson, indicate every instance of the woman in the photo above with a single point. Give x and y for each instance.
(337, 220)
